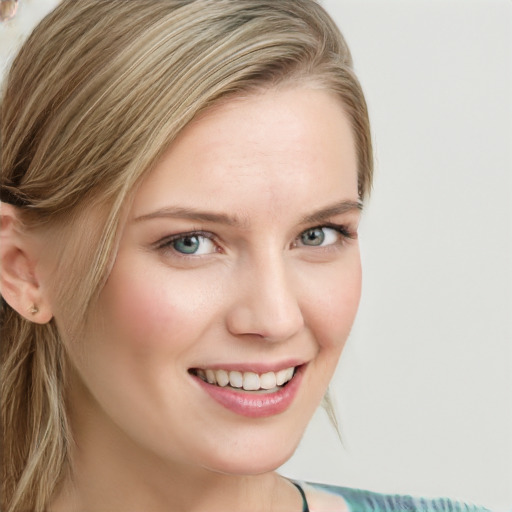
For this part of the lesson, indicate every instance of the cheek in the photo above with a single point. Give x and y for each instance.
(333, 305)
(151, 309)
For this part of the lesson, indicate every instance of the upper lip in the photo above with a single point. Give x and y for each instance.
(252, 367)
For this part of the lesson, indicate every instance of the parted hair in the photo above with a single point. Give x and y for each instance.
(94, 97)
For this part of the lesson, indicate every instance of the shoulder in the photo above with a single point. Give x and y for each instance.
(331, 498)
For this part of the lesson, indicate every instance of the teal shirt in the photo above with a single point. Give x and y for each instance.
(366, 501)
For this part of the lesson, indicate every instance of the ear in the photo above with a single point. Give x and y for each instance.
(19, 283)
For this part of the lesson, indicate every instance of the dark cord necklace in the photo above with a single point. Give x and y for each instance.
(305, 507)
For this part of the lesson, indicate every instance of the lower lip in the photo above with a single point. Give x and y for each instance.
(252, 405)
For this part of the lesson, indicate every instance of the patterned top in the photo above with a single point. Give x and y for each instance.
(365, 501)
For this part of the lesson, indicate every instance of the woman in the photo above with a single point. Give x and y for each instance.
(181, 184)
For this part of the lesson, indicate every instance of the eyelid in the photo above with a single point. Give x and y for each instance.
(166, 242)
(342, 229)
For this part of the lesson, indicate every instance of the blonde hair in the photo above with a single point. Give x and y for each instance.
(93, 99)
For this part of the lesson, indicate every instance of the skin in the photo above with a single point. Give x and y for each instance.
(258, 291)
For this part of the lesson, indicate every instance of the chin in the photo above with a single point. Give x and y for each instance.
(251, 465)
(253, 458)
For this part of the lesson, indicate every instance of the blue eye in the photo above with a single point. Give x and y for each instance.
(315, 236)
(322, 236)
(195, 245)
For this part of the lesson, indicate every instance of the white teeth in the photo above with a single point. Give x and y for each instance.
(281, 376)
(268, 380)
(235, 379)
(251, 381)
(222, 377)
(210, 377)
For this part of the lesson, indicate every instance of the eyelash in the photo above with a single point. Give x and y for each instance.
(166, 244)
(343, 230)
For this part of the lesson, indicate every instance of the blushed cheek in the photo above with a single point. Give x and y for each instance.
(145, 313)
(338, 306)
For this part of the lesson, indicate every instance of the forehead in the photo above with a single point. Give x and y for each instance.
(277, 146)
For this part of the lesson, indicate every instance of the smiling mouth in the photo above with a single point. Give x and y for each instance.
(267, 382)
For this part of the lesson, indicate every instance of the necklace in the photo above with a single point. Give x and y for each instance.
(305, 507)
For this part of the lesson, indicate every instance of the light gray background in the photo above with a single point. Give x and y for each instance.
(424, 389)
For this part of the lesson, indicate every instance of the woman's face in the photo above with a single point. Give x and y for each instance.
(239, 261)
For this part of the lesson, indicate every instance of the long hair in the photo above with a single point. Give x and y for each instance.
(93, 99)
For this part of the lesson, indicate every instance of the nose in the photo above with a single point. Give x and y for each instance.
(265, 303)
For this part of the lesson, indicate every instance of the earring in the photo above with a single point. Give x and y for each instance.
(8, 9)
(34, 310)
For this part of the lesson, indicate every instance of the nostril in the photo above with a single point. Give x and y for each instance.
(266, 305)
(264, 323)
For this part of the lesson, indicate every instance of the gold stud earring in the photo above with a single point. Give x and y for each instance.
(34, 310)
(8, 9)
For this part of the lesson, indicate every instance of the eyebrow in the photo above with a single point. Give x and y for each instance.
(338, 208)
(194, 214)
(332, 210)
